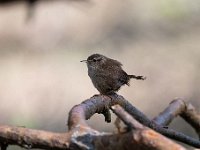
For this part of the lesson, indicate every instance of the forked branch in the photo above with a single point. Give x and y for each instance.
(82, 136)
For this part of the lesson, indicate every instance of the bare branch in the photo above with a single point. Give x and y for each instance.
(185, 110)
(149, 138)
(175, 108)
(192, 117)
(126, 118)
(29, 138)
(97, 104)
(82, 136)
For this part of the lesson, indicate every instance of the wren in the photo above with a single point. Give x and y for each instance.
(107, 74)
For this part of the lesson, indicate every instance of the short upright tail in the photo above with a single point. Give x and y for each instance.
(137, 77)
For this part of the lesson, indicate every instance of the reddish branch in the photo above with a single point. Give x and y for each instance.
(29, 138)
(82, 136)
(98, 103)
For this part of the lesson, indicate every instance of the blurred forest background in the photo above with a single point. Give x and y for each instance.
(41, 76)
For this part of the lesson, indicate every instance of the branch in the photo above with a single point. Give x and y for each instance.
(126, 118)
(90, 139)
(175, 108)
(192, 117)
(82, 136)
(146, 136)
(96, 104)
(185, 110)
(29, 138)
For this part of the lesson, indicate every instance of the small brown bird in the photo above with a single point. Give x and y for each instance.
(107, 74)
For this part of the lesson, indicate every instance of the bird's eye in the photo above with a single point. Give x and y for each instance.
(96, 59)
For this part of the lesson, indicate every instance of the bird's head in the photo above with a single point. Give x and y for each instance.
(95, 60)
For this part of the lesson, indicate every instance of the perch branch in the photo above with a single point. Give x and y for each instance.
(98, 103)
(90, 138)
(82, 136)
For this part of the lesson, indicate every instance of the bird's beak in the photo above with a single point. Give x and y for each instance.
(83, 61)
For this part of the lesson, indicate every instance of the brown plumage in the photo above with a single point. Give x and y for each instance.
(107, 74)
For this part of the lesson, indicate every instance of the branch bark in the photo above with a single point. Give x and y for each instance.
(180, 108)
(98, 103)
(145, 136)
(82, 136)
(29, 138)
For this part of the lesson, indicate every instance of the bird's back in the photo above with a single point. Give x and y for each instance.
(109, 77)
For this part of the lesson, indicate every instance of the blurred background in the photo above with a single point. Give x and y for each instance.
(41, 77)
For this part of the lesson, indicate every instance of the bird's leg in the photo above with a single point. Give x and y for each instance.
(107, 114)
(106, 111)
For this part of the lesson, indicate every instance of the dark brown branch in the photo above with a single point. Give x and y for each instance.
(126, 118)
(185, 110)
(150, 139)
(96, 104)
(81, 136)
(178, 136)
(84, 137)
(175, 108)
(192, 117)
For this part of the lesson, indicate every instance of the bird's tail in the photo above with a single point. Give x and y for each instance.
(137, 77)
